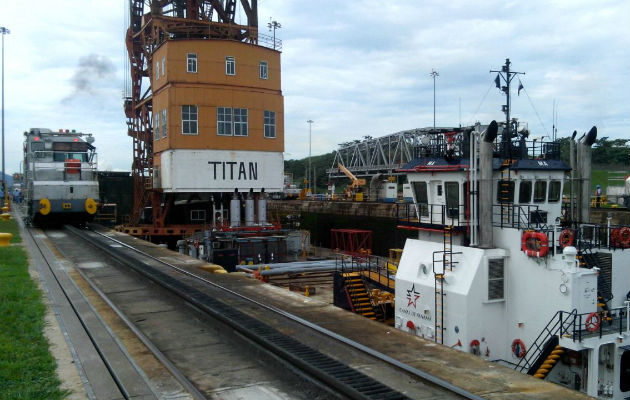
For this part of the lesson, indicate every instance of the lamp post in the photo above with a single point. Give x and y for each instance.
(274, 25)
(3, 31)
(310, 124)
(434, 74)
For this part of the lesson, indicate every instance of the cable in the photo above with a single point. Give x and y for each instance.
(536, 111)
(480, 104)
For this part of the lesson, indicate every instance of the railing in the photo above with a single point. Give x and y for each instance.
(269, 41)
(528, 149)
(44, 165)
(368, 263)
(510, 215)
(596, 324)
(432, 214)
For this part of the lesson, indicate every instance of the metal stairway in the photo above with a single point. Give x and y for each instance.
(546, 343)
(359, 296)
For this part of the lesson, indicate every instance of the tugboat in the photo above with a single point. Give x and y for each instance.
(507, 267)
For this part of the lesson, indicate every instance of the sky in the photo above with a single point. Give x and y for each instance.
(355, 68)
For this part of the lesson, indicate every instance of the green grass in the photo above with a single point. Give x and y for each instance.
(27, 369)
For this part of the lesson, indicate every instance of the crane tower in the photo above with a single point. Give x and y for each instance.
(204, 105)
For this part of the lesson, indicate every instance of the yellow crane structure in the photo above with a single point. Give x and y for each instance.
(353, 191)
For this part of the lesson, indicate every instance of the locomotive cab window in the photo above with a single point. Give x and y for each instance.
(63, 151)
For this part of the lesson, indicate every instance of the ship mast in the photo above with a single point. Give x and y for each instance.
(506, 75)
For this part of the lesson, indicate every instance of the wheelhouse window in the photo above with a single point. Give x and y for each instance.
(505, 191)
(540, 191)
(422, 197)
(525, 192)
(269, 124)
(189, 120)
(230, 65)
(263, 70)
(224, 121)
(554, 191)
(452, 199)
(240, 122)
(191, 63)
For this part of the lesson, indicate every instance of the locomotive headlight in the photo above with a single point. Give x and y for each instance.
(44, 206)
(90, 206)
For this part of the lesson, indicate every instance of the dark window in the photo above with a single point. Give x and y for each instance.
(505, 192)
(554, 191)
(452, 199)
(422, 198)
(540, 191)
(496, 274)
(439, 190)
(525, 192)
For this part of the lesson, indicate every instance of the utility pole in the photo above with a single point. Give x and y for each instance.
(274, 25)
(3, 31)
(310, 124)
(434, 74)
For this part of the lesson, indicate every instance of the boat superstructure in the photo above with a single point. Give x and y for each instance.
(507, 265)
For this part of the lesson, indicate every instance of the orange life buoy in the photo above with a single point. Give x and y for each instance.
(592, 322)
(623, 237)
(535, 244)
(566, 238)
(518, 348)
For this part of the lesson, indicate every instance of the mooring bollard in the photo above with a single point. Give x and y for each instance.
(5, 216)
(5, 239)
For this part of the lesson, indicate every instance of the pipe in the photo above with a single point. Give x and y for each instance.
(573, 170)
(486, 185)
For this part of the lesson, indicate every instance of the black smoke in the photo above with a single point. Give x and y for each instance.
(91, 71)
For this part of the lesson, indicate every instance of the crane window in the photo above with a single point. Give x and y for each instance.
(525, 192)
(540, 191)
(554, 191)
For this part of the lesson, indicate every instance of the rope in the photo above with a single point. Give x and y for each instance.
(536, 111)
(481, 103)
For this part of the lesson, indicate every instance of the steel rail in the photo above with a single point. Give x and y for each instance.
(177, 374)
(106, 363)
(358, 346)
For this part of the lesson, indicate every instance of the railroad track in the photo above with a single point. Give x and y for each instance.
(325, 376)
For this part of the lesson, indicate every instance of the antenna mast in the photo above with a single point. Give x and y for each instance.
(506, 75)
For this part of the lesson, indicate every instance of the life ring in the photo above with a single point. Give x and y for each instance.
(534, 244)
(566, 238)
(623, 237)
(518, 348)
(592, 322)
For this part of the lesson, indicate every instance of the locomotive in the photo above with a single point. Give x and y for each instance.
(60, 176)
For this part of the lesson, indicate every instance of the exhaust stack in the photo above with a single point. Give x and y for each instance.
(584, 174)
(486, 185)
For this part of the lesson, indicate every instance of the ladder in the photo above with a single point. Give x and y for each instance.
(359, 297)
(440, 266)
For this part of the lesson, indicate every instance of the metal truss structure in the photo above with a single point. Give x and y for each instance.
(151, 23)
(382, 155)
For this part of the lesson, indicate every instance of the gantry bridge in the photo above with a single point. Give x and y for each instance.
(382, 155)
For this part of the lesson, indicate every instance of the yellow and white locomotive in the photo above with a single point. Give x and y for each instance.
(60, 176)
